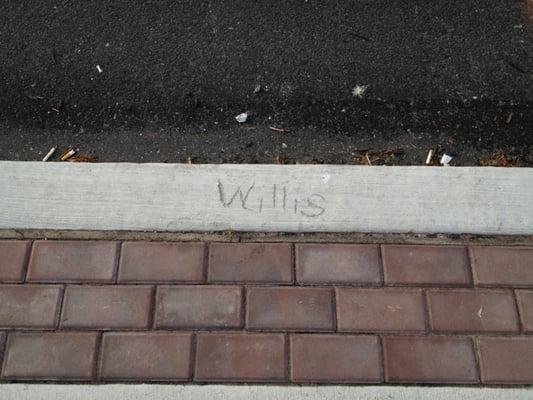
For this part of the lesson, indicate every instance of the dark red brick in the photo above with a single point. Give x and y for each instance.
(436, 359)
(426, 265)
(161, 262)
(502, 266)
(29, 306)
(199, 307)
(240, 357)
(525, 305)
(338, 263)
(50, 356)
(72, 261)
(154, 356)
(467, 310)
(380, 310)
(13, 258)
(106, 307)
(335, 359)
(250, 262)
(292, 309)
(506, 360)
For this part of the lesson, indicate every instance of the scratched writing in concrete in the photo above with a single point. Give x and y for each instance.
(249, 197)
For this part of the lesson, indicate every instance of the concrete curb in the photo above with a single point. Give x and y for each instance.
(266, 198)
(252, 392)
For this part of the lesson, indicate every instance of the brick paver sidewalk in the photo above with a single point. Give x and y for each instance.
(303, 313)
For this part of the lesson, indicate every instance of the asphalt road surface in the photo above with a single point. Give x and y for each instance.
(130, 80)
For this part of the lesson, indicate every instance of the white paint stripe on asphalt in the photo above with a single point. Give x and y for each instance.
(284, 198)
(253, 392)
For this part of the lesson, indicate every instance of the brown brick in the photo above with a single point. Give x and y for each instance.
(467, 310)
(161, 262)
(338, 263)
(506, 360)
(250, 262)
(426, 265)
(198, 307)
(525, 305)
(240, 357)
(13, 258)
(292, 309)
(29, 306)
(436, 359)
(335, 358)
(380, 310)
(502, 266)
(72, 261)
(155, 356)
(106, 307)
(50, 356)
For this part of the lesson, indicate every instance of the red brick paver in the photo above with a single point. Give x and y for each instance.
(426, 265)
(291, 309)
(335, 358)
(29, 306)
(249, 262)
(341, 264)
(161, 262)
(107, 307)
(502, 266)
(159, 356)
(53, 356)
(525, 304)
(69, 261)
(104, 311)
(240, 357)
(380, 310)
(506, 360)
(198, 307)
(469, 310)
(13, 259)
(434, 359)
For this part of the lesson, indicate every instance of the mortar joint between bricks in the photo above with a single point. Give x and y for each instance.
(27, 262)
(205, 272)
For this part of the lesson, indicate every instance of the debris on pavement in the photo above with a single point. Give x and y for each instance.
(273, 128)
(83, 158)
(100, 70)
(359, 90)
(50, 154)
(429, 157)
(284, 145)
(509, 118)
(379, 157)
(445, 160)
(258, 89)
(498, 159)
(242, 118)
(68, 154)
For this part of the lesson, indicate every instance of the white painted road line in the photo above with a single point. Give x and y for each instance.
(253, 392)
(284, 198)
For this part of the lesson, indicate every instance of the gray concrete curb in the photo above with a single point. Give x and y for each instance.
(266, 198)
(253, 392)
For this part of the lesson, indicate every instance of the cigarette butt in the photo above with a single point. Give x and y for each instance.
(68, 154)
(429, 157)
(50, 154)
